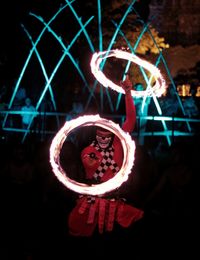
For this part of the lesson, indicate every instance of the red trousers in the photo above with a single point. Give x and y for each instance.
(84, 218)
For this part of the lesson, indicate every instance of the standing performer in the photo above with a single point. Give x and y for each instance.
(102, 159)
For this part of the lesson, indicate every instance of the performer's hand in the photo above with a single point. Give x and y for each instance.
(126, 85)
(90, 160)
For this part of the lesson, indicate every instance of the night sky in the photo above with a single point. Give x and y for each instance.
(13, 14)
(13, 39)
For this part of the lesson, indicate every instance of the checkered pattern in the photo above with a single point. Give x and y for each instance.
(107, 162)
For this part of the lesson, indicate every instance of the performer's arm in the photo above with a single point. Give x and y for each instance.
(130, 121)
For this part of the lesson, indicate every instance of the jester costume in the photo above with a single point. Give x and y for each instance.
(102, 163)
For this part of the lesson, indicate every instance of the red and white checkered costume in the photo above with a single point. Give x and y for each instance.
(91, 212)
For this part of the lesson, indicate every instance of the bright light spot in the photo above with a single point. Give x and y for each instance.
(158, 89)
(128, 146)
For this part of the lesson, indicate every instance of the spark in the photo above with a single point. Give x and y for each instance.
(127, 143)
(158, 89)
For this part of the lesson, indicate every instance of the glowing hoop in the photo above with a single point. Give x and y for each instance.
(96, 189)
(158, 89)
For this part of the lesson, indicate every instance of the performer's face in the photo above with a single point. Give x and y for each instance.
(104, 138)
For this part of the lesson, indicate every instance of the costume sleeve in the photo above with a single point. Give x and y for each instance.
(130, 121)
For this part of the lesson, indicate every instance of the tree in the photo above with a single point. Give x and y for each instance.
(130, 36)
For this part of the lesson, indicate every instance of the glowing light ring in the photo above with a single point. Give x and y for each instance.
(158, 89)
(97, 189)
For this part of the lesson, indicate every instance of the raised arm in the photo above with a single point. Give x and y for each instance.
(130, 121)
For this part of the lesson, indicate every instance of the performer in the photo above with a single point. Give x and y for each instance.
(102, 159)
